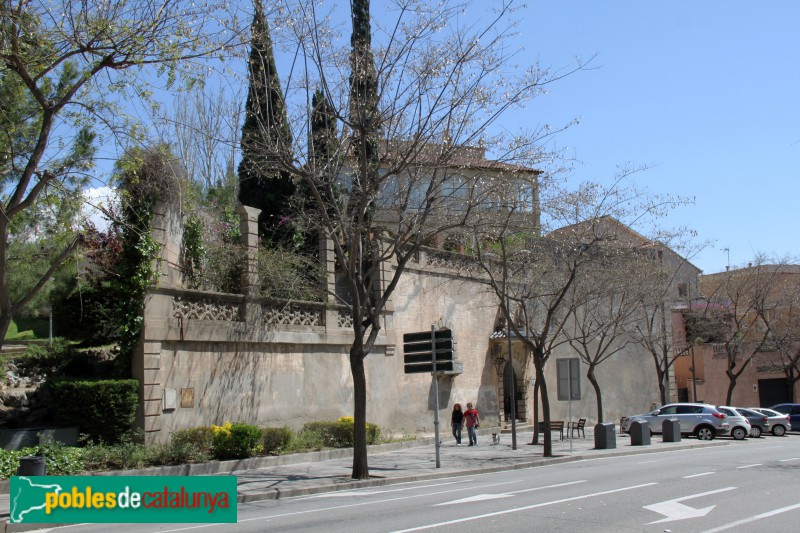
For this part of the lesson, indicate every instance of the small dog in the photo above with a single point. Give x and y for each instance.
(495, 439)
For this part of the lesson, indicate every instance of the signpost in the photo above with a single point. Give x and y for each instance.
(429, 352)
(569, 385)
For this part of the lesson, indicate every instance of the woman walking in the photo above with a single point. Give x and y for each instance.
(457, 422)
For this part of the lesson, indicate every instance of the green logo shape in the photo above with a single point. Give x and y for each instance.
(122, 499)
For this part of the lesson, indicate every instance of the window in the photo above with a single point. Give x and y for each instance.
(683, 290)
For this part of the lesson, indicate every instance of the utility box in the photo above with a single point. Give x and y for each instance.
(671, 430)
(605, 437)
(640, 433)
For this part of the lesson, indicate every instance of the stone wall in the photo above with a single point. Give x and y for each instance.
(207, 358)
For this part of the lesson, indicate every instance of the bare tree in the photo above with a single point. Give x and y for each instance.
(733, 315)
(602, 308)
(663, 278)
(783, 322)
(535, 277)
(202, 127)
(403, 115)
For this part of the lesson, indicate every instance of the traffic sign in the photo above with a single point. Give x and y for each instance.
(419, 348)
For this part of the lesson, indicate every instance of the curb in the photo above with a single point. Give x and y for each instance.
(275, 494)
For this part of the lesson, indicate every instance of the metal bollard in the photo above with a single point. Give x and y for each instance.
(605, 437)
(640, 433)
(671, 430)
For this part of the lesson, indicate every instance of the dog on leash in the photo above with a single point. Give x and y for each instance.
(495, 439)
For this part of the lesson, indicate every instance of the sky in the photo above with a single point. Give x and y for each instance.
(704, 94)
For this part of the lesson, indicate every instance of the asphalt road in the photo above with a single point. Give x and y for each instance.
(747, 485)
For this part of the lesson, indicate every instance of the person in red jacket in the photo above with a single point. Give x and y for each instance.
(473, 421)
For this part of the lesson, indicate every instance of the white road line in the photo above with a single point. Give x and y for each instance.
(483, 497)
(698, 475)
(748, 466)
(359, 504)
(648, 462)
(792, 459)
(525, 508)
(374, 490)
(754, 518)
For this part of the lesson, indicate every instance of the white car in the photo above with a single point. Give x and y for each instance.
(740, 426)
(700, 419)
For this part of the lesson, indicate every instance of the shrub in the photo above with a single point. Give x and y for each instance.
(276, 439)
(59, 460)
(193, 445)
(236, 441)
(124, 455)
(339, 434)
(306, 440)
(103, 409)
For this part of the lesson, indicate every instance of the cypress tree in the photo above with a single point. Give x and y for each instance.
(364, 115)
(266, 139)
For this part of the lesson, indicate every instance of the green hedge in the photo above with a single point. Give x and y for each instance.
(236, 441)
(103, 409)
(339, 434)
(276, 439)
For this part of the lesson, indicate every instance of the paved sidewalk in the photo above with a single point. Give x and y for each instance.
(419, 463)
(407, 462)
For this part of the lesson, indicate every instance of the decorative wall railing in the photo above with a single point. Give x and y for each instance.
(206, 307)
(293, 313)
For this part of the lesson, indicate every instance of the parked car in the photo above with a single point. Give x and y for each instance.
(740, 426)
(702, 420)
(759, 422)
(791, 409)
(778, 422)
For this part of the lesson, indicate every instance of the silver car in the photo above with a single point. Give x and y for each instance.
(778, 422)
(740, 426)
(700, 419)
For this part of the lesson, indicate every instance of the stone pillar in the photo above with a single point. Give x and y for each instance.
(248, 225)
(328, 259)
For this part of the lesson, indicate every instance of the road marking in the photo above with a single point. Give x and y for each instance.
(748, 466)
(754, 518)
(482, 497)
(525, 508)
(698, 475)
(792, 459)
(369, 492)
(675, 510)
(648, 462)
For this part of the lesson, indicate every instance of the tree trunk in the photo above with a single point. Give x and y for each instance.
(731, 385)
(360, 466)
(548, 435)
(598, 393)
(535, 412)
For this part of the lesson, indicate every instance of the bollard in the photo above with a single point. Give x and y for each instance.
(671, 430)
(640, 433)
(604, 437)
(31, 465)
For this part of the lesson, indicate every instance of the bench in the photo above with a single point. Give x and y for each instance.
(578, 426)
(558, 425)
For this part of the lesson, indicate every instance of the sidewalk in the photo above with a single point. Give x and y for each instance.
(419, 463)
(286, 476)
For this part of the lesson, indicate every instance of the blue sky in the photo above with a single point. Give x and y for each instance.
(703, 93)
